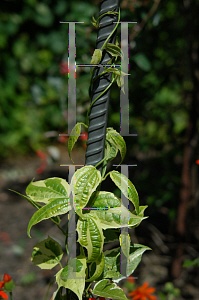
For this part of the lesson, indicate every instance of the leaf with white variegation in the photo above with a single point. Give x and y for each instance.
(141, 210)
(96, 268)
(72, 277)
(114, 50)
(113, 261)
(112, 213)
(55, 208)
(105, 288)
(90, 236)
(74, 135)
(83, 183)
(111, 151)
(55, 220)
(117, 140)
(126, 187)
(46, 190)
(47, 254)
(125, 242)
(111, 235)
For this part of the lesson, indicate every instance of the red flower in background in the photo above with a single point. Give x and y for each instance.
(100, 298)
(131, 279)
(43, 158)
(1, 284)
(143, 293)
(63, 138)
(83, 137)
(3, 295)
(4, 236)
(64, 68)
(7, 278)
(197, 161)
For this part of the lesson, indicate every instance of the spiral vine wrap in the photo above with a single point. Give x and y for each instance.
(99, 110)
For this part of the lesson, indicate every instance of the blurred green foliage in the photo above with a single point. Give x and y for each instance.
(33, 92)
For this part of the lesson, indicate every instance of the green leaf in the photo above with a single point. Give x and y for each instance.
(141, 210)
(83, 183)
(106, 200)
(114, 50)
(113, 261)
(142, 61)
(96, 268)
(54, 208)
(112, 213)
(95, 23)
(117, 140)
(46, 190)
(106, 289)
(75, 133)
(36, 205)
(110, 235)
(57, 295)
(110, 151)
(68, 276)
(112, 69)
(117, 218)
(56, 219)
(97, 56)
(47, 254)
(191, 263)
(125, 242)
(126, 187)
(120, 82)
(90, 236)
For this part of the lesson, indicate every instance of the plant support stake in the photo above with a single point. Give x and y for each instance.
(99, 110)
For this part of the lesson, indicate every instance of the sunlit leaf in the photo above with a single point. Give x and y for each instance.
(72, 277)
(117, 140)
(90, 236)
(125, 242)
(46, 190)
(75, 133)
(47, 254)
(105, 289)
(56, 219)
(126, 187)
(83, 183)
(96, 268)
(113, 261)
(55, 208)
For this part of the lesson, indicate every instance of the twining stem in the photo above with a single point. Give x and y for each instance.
(10, 295)
(108, 13)
(112, 31)
(101, 161)
(61, 229)
(98, 98)
(103, 72)
(105, 176)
